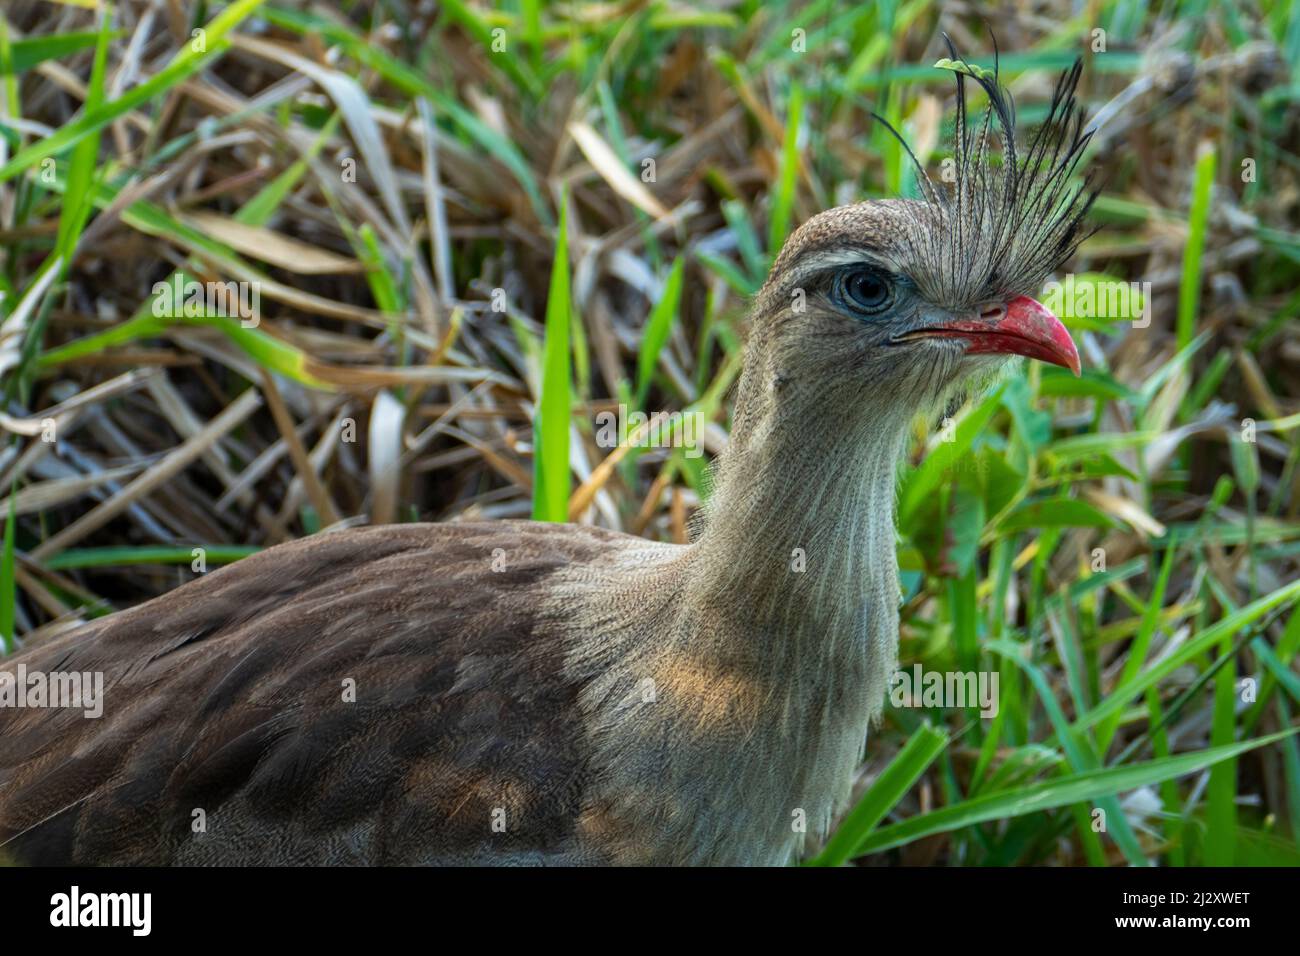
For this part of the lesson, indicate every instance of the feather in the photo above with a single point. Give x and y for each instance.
(1010, 218)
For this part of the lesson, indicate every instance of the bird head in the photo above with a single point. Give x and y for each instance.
(918, 297)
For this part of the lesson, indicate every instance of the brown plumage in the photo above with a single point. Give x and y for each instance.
(531, 693)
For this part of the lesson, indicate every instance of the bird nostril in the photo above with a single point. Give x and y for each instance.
(993, 313)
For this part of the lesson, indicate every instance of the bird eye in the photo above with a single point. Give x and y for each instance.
(865, 291)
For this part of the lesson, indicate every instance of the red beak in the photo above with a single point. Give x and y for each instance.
(1023, 327)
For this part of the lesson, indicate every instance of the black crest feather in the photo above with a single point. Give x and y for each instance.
(1000, 229)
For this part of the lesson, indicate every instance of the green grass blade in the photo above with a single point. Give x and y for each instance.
(1221, 794)
(657, 327)
(551, 424)
(258, 210)
(34, 51)
(1060, 792)
(1078, 751)
(123, 556)
(8, 72)
(78, 200)
(1189, 290)
(883, 795)
(1232, 623)
(1137, 652)
(938, 465)
(1287, 648)
(507, 59)
(783, 201)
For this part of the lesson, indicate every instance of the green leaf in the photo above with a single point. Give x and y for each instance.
(1078, 749)
(1245, 463)
(657, 328)
(77, 202)
(505, 58)
(747, 242)
(1002, 482)
(727, 272)
(258, 210)
(1058, 383)
(382, 284)
(783, 201)
(1221, 793)
(1137, 650)
(883, 795)
(1189, 289)
(1032, 424)
(1060, 792)
(965, 523)
(551, 424)
(9, 86)
(1103, 466)
(1202, 642)
(1054, 513)
(34, 51)
(1088, 446)
(77, 198)
(124, 556)
(922, 483)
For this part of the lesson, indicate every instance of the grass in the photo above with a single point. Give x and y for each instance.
(552, 422)
(1189, 290)
(463, 256)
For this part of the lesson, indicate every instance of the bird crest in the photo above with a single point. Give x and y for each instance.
(1006, 217)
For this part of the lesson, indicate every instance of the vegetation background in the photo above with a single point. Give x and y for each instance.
(472, 228)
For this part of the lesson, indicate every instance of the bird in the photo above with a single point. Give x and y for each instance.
(524, 693)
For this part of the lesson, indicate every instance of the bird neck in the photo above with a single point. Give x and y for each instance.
(799, 533)
(777, 628)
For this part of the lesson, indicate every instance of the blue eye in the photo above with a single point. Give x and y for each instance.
(864, 290)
